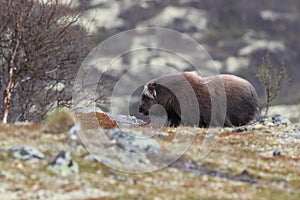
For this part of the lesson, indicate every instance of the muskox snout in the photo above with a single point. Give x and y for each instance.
(142, 110)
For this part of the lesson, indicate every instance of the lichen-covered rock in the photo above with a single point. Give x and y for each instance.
(280, 120)
(133, 141)
(275, 120)
(26, 153)
(63, 164)
(127, 150)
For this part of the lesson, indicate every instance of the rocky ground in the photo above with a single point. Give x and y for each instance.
(258, 161)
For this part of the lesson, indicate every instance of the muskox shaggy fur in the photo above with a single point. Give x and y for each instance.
(233, 100)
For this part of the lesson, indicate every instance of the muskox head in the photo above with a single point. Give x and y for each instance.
(148, 98)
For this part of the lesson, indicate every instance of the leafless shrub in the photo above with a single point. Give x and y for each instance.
(271, 79)
(41, 48)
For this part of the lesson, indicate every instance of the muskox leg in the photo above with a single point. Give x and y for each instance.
(173, 119)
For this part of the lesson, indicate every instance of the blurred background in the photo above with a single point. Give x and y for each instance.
(237, 34)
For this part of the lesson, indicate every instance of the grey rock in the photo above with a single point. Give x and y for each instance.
(277, 152)
(26, 153)
(63, 164)
(74, 131)
(297, 136)
(133, 141)
(280, 120)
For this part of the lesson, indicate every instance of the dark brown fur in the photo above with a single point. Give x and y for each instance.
(238, 102)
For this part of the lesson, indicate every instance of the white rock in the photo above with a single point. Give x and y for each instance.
(255, 45)
(235, 63)
(270, 15)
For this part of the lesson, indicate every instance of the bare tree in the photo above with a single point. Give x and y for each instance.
(41, 48)
(271, 80)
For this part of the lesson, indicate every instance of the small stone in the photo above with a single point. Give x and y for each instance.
(269, 124)
(74, 131)
(276, 152)
(160, 134)
(258, 127)
(241, 129)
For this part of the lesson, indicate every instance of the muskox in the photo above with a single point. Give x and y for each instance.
(188, 99)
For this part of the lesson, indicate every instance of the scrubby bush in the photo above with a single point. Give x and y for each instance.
(271, 79)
